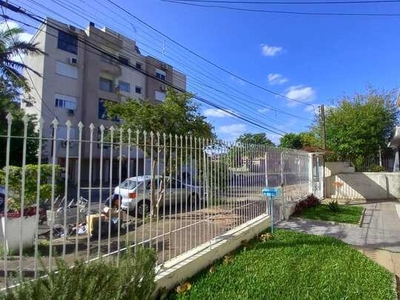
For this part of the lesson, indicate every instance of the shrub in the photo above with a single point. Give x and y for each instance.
(310, 201)
(132, 278)
(333, 206)
(376, 168)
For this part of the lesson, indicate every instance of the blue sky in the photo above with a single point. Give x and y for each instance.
(313, 59)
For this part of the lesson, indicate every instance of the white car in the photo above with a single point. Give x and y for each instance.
(135, 194)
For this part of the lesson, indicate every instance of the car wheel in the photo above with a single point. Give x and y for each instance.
(143, 209)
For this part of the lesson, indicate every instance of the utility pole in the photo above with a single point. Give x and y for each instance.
(322, 114)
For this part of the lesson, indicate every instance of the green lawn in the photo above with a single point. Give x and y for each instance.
(347, 214)
(294, 266)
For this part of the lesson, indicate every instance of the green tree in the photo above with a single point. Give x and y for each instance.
(12, 83)
(11, 47)
(255, 138)
(298, 140)
(291, 141)
(358, 126)
(30, 184)
(177, 115)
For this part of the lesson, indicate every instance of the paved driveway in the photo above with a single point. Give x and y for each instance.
(380, 228)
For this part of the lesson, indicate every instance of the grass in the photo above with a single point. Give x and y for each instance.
(293, 266)
(347, 214)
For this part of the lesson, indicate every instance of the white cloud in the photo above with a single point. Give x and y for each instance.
(300, 93)
(276, 79)
(234, 130)
(263, 110)
(217, 113)
(267, 50)
(237, 80)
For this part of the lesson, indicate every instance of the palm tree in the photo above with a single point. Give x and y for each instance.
(10, 49)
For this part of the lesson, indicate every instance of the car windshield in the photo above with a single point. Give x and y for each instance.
(129, 184)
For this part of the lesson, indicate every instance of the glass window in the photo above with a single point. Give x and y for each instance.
(67, 42)
(105, 84)
(138, 89)
(138, 65)
(64, 101)
(123, 60)
(160, 76)
(124, 86)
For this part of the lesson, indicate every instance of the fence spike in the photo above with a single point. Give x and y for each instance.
(9, 117)
(55, 122)
(80, 125)
(68, 123)
(25, 119)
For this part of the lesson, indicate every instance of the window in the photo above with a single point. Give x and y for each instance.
(106, 84)
(102, 112)
(67, 42)
(124, 86)
(160, 74)
(160, 96)
(123, 60)
(65, 101)
(138, 89)
(138, 65)
(66, 70)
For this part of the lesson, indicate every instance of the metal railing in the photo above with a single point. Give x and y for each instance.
(98, 191)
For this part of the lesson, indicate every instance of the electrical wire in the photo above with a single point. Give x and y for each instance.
(293, 2)
(27, 71)
(201, 99)
(205, 59)
(213, 79)
(243, 105)
(304, 13)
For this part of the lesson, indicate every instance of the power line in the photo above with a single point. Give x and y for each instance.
(205, 59)
(285, 12)
(201, 99)
(27, 71)
(194, 78)
(244, 107)
(293, 2)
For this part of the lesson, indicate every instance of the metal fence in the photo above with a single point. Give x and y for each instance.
(97, 191)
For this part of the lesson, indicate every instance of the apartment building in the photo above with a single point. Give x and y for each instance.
(82, 70)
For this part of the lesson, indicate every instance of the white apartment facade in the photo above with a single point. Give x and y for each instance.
(76, 80)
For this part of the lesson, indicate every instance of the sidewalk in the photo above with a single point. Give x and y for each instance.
(378, 237)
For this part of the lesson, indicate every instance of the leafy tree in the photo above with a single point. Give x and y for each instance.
(291, 141)
(12, 83)
(176, 116)
(30, 187)
(298, 140)
(255, 138)
(358, 126)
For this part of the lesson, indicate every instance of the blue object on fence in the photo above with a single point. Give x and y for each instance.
(271, 192)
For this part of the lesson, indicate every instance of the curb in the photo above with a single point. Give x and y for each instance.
(362, 218)
(324, 221)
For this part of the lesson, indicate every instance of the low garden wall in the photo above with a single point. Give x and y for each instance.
(363, 185)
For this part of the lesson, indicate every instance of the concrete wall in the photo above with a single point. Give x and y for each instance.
(190, 263)
(364, 185)
(333, 168)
